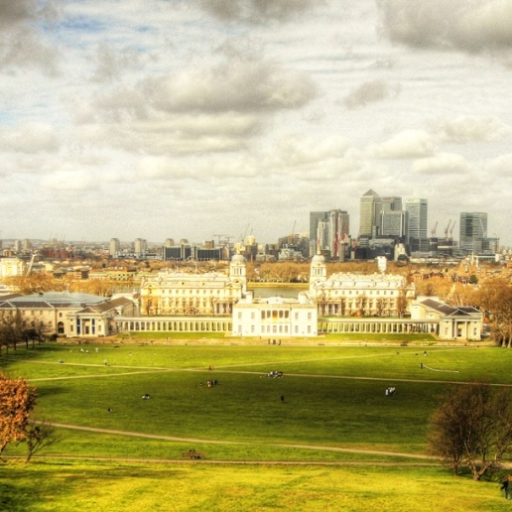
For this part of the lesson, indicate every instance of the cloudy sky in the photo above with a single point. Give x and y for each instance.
(191, 118)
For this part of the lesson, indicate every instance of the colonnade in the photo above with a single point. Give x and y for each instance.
(379, 326)
(174, 324)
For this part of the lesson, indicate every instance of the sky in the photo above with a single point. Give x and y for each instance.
(198, 118)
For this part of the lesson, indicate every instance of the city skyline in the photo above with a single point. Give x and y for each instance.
(184, 119)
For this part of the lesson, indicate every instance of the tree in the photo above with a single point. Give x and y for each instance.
(495, 300)
(12, 328)
(473, 426)
(17, 399)
(39, 436)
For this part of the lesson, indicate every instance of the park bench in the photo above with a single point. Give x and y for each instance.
(192, 454)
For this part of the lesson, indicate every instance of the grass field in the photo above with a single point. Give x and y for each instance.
(323, 437)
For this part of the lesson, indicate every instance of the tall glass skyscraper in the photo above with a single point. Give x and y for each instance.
(370, 210)
(392, 218)
(417, 218)
(473, 228)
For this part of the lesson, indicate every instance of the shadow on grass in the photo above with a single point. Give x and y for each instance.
(18, 498)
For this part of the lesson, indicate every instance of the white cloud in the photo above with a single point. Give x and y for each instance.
(370, 92)
(29, 138)
(250, 86)
(406, 144)
(69, 180)
(111, 63)
(257, 11)
(296, 150)
(473, 26)
(471, 129)
(501, 166)
(442, 164)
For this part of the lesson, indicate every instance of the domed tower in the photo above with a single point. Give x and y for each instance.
(318, 271)
(238, 271)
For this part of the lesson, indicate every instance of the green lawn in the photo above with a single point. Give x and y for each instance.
(334, 412)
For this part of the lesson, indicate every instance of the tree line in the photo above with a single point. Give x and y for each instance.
(15, 329)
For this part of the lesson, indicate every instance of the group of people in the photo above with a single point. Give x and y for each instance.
(210, 383)
(274, 374)
(146, 396)
(390, 391)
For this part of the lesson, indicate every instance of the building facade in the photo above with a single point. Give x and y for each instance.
(114, 248)
(329, 232)
(343, 294)
(275, 317)
(450, 322)
(179, 293)
(69, 314)
(472, 231)
(11, 267)
(417, 219)
(370, 210)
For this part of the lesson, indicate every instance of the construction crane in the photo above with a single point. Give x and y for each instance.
(31, 264)
(447, 230)
(244, 235)
(433, 230)
(451, 229)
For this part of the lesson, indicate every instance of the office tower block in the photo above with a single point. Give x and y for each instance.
(417, 218)
(328, 230)
(472, 230)
(140, 247)
(370, 210)
(393, 219)
(114, 247)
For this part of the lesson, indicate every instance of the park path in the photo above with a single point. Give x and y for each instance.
(192, 440)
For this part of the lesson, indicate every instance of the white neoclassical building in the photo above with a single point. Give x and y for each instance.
(451, 322)
(179, 293)
(275, 316)
(358, 295)
(69, 314)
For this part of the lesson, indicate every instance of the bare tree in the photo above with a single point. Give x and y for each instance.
(12, 328)
(473, 426)
(40, 435)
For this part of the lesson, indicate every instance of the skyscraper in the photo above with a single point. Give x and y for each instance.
(370, 209)
(314, 219)
(473, 228)
(417, 218)
(328, 230)
(114, 247)
(392, 218)
(140, 247)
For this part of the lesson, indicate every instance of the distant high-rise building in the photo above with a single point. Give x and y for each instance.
(26, 244)
(393, 219)
(328, 230)
(417, 219)
(169, 242)
(114, 247)
(140, 247)
(370, 210)
(339, 226)
(314, 219)
(473, 229)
